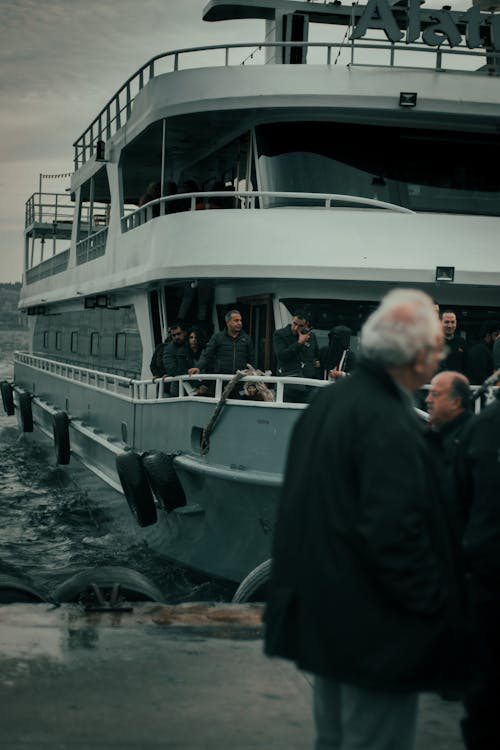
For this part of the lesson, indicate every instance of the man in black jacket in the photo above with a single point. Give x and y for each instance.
(175, 356)
(297, 352)
(456, 354)
(365, 591)
(480, 357)
(227, 351)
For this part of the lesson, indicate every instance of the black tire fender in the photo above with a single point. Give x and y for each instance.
(163, 480)
(253, 587)
(7, 398)
(136, 488)
(60, 427)
(25, 412)
(133, 586)
(14, 590)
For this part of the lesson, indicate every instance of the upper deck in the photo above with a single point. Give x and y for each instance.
(383, 131)
(404, 36)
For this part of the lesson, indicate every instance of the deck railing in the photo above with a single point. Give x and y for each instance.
(47, 208)
(92, 246)
(248, 199)
(118, 109)
(157, 389)
(50, 267)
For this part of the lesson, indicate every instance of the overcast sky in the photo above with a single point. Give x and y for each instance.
(60, 61)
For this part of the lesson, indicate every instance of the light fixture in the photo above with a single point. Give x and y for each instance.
(445, 274)
(407, 99)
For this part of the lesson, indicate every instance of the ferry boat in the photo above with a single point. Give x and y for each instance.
(338, 169)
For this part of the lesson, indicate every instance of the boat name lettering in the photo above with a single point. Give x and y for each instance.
(443, 26)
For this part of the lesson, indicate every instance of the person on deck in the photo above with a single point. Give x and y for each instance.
(297, 354)
(337, 359)
(456, 348)
(227, 351)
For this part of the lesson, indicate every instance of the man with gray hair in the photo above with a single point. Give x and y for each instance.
(365, 591)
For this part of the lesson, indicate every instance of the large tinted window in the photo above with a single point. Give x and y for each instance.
(424, 170)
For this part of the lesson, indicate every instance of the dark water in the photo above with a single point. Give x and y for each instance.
(53, 525)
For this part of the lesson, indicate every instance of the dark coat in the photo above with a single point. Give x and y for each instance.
(479, 483)
(338, 342)
(365, 586)
(223, 354)
(176, 358)
(479, 363)
(294, 359)
(456, 359)
(156, 364)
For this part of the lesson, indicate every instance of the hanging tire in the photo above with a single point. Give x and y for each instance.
(7, 398)
(253, 588)
(25, 412)
(163, 479)
(14, 590)
(136, 488)
(60, 427)
(133, 586)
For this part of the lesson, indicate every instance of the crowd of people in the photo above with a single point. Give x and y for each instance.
(386, 551)
(298, 355)
(386, 556)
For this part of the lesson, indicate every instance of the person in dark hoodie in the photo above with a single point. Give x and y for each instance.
(480, 357)
(337, 359)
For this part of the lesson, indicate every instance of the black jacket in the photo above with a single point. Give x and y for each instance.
(176, 358)
(365, 587)
(223, 354)
(479, 363)
(294, 359)
(456, 359)
(479, 483)
(156, 364)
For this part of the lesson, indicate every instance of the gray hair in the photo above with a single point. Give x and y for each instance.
(404, 323)
(228, 315)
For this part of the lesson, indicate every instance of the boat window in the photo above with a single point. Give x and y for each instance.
(120, 346)
(424, 170)
(45, 339)
(95, 205)
(74, 341)
(58, 340)
(94, 343)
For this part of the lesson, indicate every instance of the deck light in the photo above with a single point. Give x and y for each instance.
(407, 99)
(445, 274)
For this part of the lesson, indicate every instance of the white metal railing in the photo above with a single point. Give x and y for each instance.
(56, 264)
(118, 109)
(157, 388)
(247, 199)
(55, 209)
(145, 390)
(92, 246)
(103, 381)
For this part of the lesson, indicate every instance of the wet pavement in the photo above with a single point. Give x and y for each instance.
(160, 676)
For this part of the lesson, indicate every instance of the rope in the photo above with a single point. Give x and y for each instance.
(228, 389)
